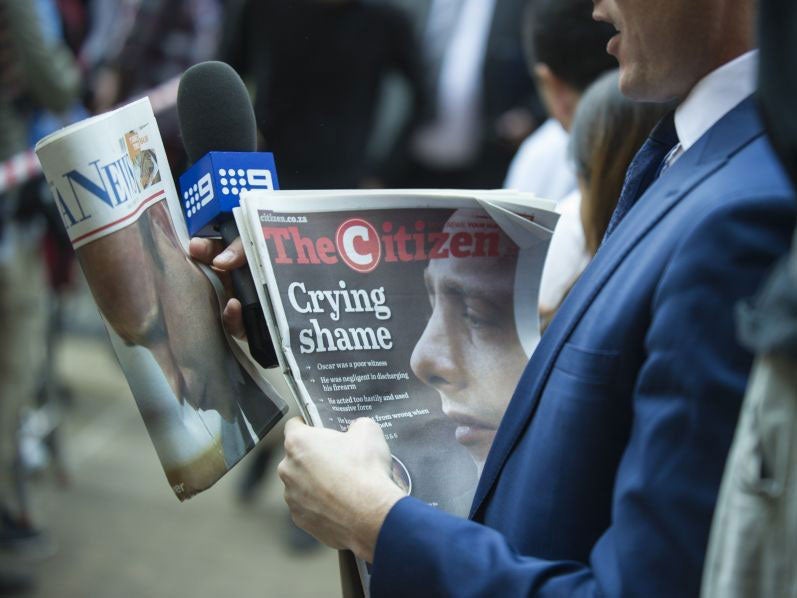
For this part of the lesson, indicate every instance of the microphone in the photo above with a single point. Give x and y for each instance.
(217, 123)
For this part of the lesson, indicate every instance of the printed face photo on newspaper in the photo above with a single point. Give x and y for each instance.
(154, 299)
(470, 351)
(173, 324)
(198, 397)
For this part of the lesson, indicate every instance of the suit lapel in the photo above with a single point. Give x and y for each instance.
(729, 135)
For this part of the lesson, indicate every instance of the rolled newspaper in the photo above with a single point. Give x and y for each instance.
(202, 399)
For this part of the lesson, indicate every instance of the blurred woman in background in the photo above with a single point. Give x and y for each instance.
(607, 131)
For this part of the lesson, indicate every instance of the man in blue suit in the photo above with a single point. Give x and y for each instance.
(604, 473)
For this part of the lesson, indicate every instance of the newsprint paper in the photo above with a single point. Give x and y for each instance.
(416, 309)
(204, 402)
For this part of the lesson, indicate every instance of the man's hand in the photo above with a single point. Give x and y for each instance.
(222, 260)
(338, 486)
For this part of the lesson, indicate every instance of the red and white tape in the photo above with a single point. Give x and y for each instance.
(18, 169)
(163, 96)
(25, 165)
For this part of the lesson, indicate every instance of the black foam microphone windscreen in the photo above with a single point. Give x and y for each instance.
(215, 111)
(216, 115)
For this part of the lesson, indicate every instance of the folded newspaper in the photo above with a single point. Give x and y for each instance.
(417, 309)
(204, 401)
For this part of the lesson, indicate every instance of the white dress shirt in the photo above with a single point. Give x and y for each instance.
(712, 98)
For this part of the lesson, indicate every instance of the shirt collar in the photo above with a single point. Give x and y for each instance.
(714, 96)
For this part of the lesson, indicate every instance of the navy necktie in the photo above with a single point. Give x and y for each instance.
(644, 169)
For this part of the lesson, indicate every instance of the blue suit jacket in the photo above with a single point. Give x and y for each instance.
(603, 476)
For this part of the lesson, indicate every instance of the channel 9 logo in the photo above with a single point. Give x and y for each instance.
(234, 181)
(214, 185)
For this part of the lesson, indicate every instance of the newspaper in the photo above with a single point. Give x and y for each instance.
(204, 401)
(416, 309)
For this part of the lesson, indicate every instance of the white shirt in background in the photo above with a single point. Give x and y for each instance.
(452, 140)
(541, 165)
(567, 254)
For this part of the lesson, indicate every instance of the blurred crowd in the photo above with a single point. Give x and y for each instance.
(347, 93)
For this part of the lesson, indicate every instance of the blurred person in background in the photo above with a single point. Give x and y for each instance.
(482, 102)
(63, 22)
(162, 38)
(110, 23)
(605, 134)
(73, 17)
(753, 546)
(607, 131)
(36, 71)
(396, 109)
(566, 52)
(317, 67)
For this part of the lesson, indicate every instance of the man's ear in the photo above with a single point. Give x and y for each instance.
(559, 97)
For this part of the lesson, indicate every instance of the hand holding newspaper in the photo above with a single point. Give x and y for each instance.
(415, 309)
(204, 402)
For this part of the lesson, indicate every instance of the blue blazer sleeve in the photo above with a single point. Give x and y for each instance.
(685, 405)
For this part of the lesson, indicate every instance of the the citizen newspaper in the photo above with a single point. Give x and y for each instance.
(203, 400)
(416, 309)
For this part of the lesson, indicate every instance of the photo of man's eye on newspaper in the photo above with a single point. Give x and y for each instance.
(416, 318)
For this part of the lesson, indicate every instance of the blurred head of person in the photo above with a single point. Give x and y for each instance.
(665, 47)
(470, 350)
(566, 51)
(777, 87)
(608, 130)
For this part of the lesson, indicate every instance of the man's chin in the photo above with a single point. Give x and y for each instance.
(474, 437)
(630, 86)
(477, 441)
(636, 86)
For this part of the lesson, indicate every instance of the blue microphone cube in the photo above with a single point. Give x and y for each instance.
(213, 186)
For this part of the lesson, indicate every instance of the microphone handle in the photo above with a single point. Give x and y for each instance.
(257, 335)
